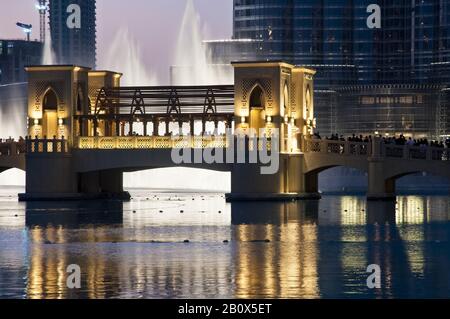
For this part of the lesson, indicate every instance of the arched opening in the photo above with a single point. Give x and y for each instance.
(13, 178)
(308, 112)
(290, 131)
(336, 179)
(257, 109)
(178, 179)
(422, 183)
(342, 179)
(50, 114)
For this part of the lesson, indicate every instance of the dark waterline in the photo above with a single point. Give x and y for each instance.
(314, 249)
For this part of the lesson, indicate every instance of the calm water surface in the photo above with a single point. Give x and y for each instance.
(274, 250)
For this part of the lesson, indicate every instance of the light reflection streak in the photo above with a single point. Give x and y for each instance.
(309, 243)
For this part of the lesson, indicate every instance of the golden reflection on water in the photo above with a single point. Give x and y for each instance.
(353, 210)
(284, 267)
(276, 250)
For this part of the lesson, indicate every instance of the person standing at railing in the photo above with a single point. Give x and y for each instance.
(410, 142)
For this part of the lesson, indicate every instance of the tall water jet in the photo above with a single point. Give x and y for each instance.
(48, 56)
(124, 55)
(192, 63)
(13, 117)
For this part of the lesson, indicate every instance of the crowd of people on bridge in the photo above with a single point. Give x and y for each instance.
(391, 140)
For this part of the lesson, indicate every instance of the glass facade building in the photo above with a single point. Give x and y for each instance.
(14, 56)
(72, 45)
(391, 79)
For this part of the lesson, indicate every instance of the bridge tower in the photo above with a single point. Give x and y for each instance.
(273, 99)
(58, 98)
(55, 95)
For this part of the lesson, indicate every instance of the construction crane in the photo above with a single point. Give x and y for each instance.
(26, 28)
(41, 6)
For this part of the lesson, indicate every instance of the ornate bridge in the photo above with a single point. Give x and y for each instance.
(85, 131)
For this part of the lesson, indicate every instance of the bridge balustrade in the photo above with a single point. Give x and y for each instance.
(337, 147)
(12, 148)
(415, 152)
(166, 142)
(151, 142)
(44, 145)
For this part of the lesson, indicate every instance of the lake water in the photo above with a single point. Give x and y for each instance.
(312, 249)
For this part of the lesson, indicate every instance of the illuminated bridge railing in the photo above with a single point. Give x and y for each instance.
(337, 147)
(150, 142)
(45, 145)
(415, 152)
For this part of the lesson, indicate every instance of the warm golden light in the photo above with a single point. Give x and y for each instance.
(151, 142)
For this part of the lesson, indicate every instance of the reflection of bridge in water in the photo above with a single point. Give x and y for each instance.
(101, 130)
(122, 252)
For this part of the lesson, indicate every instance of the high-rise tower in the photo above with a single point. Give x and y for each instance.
(392, 79)
(73, 31)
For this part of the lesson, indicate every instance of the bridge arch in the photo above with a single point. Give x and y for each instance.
(395, 171)
(392, 181)
(12, 176)
(317, 163)
(312, 180)
(16, 167)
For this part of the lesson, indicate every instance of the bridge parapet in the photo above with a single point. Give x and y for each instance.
(337, 147)
(151, 142)
(12, 148)
(376, 148)
(169, 142)
(415, 152)
(44, 145)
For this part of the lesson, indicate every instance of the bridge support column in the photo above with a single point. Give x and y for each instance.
(312, 183)
(111, 181)
(379, 188)
(249, 184)
(49, 176)
(105, 184)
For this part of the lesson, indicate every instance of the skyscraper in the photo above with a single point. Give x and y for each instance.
(73, 31)
(391, 79)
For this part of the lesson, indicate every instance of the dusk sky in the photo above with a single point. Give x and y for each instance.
(154, 24)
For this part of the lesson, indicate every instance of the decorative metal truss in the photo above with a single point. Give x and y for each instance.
(170, 102)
